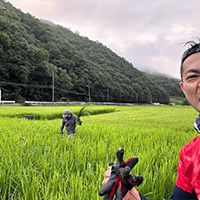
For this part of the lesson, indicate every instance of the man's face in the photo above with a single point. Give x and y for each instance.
(190, 84)
(68, 116)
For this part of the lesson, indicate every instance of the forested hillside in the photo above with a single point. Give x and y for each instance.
(169, 84)
(36, 55)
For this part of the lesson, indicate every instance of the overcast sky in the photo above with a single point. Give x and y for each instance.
(146, 33)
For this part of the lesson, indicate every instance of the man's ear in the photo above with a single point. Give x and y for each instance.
(181, 84)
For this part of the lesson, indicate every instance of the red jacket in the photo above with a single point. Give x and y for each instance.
(188, 177)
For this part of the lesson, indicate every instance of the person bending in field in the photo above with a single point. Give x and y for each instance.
(69, 121)
(188, 178)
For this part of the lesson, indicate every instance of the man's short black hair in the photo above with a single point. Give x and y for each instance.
(194, 48)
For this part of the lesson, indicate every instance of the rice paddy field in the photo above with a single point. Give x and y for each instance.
(36, 162)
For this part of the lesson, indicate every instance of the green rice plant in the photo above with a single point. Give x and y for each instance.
(83, 112)
(36, 162)
(49, 113)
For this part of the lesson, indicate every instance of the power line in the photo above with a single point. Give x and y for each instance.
(26, 85)
(42, 86)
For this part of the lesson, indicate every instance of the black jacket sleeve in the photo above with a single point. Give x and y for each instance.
(178, 194)
(142, 197)
(62, 125)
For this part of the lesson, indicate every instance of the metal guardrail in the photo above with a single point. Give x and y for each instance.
(7, 102)
(49, 103)
(38, 103)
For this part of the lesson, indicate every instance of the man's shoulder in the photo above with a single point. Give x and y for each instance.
(74, 116)
(193, 143)
(191, 148)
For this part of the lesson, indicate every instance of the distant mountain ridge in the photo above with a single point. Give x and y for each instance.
(36, 55)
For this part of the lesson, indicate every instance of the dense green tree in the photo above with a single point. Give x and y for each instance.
(34, 53)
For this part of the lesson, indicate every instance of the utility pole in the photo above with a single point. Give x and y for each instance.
(151, 99)
(107, 94)
(52, 87)
(137, 97)
(89, 91)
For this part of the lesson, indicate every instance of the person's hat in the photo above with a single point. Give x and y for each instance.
(66, 112)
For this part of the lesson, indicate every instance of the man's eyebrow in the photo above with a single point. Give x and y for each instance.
(193, 70)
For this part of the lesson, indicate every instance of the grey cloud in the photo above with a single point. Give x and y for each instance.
(118, 23)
